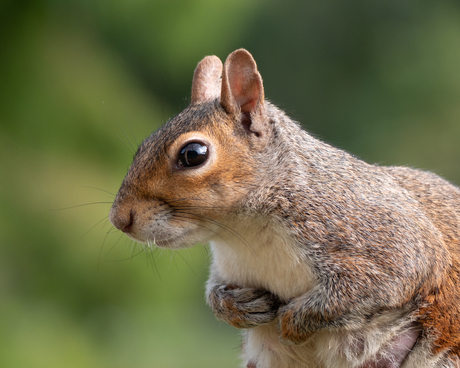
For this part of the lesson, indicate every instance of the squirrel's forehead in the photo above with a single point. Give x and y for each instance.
(157, 144)
(201, 118)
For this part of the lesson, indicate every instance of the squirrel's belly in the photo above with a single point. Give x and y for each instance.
(262, 349)
(326, 349)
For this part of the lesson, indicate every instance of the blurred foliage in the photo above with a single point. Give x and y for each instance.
(83, 82)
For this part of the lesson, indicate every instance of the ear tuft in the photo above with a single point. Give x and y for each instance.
(206, 83)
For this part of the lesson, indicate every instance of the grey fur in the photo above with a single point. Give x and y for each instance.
(325, 260)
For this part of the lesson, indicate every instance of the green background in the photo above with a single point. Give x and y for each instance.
(82, 81)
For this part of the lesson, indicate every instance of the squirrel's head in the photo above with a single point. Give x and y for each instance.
(193, 173)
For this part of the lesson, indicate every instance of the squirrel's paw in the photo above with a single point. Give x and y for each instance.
(243, 307)
(293, 327)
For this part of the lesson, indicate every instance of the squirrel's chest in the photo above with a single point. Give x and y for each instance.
(269, 260)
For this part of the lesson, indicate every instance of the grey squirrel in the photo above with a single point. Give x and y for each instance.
(322, 259)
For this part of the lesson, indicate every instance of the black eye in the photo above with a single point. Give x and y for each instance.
(193, 154)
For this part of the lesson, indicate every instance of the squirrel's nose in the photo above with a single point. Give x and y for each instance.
(122, 218)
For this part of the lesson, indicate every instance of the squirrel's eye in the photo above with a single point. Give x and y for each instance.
(193, 154)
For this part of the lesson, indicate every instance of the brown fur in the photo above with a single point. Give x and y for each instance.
(325, 260)
(441, 201)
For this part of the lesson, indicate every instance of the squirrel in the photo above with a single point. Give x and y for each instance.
(323, 260)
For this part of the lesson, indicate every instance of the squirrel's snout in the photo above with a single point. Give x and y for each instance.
(122, 218)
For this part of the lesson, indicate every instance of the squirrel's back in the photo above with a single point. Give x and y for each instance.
(440, 200)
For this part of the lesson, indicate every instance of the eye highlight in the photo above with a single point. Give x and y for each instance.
(193, 154)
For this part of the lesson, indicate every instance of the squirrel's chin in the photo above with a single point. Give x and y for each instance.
(186, 239)
(173, 244)
(160, 243)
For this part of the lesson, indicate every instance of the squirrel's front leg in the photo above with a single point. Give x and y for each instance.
(294, 323)
(314, 311)
(242, 307)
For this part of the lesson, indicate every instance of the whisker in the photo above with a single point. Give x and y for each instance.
(188, 264)
(222, 226)
(102, 247)
(129, 258)
(129, 149)
(102, 190)
(151, 258)
(231, 231)
(202, 207)
(116, 122)
(172, 200)
(114, 245)
(106, 223)
(79, 205)
(126, 118)
(188, 219)
(133, 245)
(174, 260)
(92, 227)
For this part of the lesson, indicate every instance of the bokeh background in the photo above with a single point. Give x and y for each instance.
(82, 82)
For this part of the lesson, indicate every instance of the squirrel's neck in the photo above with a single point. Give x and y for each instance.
(296, 163)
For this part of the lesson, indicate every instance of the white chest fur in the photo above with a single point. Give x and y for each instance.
(262, 257)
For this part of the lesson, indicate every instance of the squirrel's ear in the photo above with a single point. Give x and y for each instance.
(206, 83)
(243, 91)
